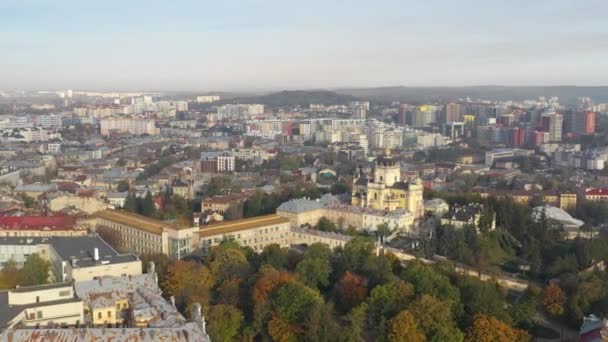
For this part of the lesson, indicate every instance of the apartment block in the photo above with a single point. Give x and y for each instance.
(136, 126)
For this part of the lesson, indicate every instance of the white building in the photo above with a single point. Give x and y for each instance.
(136, 126)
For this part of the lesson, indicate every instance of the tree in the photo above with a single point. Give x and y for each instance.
(28, 201)
(229, 292)
(404, 328)
(314, 271)
(10, 276)
(350, 291)
(385, 301)
(147, 207)
(131, 204)
(354, 256)
(382, 231)
(122, 186)
(293, 306)
(429, 281)
(419, 156)
(188, 281)
(325, 225)
(356, 328)
(436, 319)
(35, 270)
(489, 329)
(229, 261)
(554, 300)
(481, 297)
(224, 322)
(522, 313)
(315, 268)
(121, 162)
(274, 256)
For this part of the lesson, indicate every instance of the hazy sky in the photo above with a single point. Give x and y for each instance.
(284, 44)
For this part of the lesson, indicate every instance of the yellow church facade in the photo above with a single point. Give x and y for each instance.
(384, 189)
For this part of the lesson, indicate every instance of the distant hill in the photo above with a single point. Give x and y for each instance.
(567, 94)
(297, 97)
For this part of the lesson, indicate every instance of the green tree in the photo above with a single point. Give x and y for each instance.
(35, 270)
(274, 256)
(224, 322)
(293, 306)
(356, 324)
(28, 201)
(147, 207)
(325, 225)
(314, 271)
(436, 319)
(385, 301)
(429, 281)
(481, 297)
(131, 203)
(122, 186)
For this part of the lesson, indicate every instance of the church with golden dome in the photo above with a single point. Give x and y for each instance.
(384, 189)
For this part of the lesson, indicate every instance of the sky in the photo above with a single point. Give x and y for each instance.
(228, 45)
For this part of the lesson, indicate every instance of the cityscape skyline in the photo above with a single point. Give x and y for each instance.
(268, 45)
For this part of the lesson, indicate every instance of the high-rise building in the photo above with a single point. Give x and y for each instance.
(579, 122)
(452, 112)
(552, 123)
(360, 112)
(424, 116)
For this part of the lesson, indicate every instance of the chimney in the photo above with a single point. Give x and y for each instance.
(96, 254)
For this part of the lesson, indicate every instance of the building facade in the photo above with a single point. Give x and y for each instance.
(143, 235)
(384, 189)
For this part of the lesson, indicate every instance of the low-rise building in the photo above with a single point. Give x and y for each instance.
(39, 306)
(256, 232)
(40, 226)
(84, 201)
(436, 207)
(306, 212)
(72, 258)
(466, 215)
(120, 309)
(596, 194)
(563, 200)
(304, 236)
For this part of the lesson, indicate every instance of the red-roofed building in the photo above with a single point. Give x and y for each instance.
(596, 194)
(40, 226)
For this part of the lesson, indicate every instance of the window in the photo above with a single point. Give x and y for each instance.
(109, 313)
(37, 299)
(99, 315)
(39, 314)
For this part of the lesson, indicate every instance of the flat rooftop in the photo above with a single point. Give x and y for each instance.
(80, 248)
(240, 225)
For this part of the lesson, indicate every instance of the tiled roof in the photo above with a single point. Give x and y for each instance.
(57, 222)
